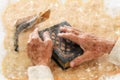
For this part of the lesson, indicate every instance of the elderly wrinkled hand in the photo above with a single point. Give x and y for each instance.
(39, 51)
(93, 46)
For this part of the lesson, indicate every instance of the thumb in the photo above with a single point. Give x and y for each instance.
(47, 39)
(88, 55)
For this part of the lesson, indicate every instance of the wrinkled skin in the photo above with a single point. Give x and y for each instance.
(93, 46)
(39, 51)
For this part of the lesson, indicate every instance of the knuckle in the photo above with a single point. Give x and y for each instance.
(49, 41)
(35, 39)
(28, 44)
(49, 44)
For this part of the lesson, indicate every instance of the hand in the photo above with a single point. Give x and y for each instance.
(93, 46)
(39, 51)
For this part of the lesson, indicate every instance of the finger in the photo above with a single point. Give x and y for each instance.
(30, 40)
(34, 36)
(75, 29)
(46, 36)
(48, 44)
(80, 59)
(47, 39)
(63, 29)
(30, 37)
(35, 33)
(69, 30)
(69, 36)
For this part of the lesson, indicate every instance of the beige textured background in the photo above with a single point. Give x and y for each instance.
(112, 8)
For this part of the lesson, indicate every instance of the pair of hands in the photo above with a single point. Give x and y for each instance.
(40, 51)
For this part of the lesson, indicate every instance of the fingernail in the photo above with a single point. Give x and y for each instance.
(62, 28)
(36, 29)
(46, 32)
(72, 64)
(28, 41)
(34, 37)
(59, 34)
